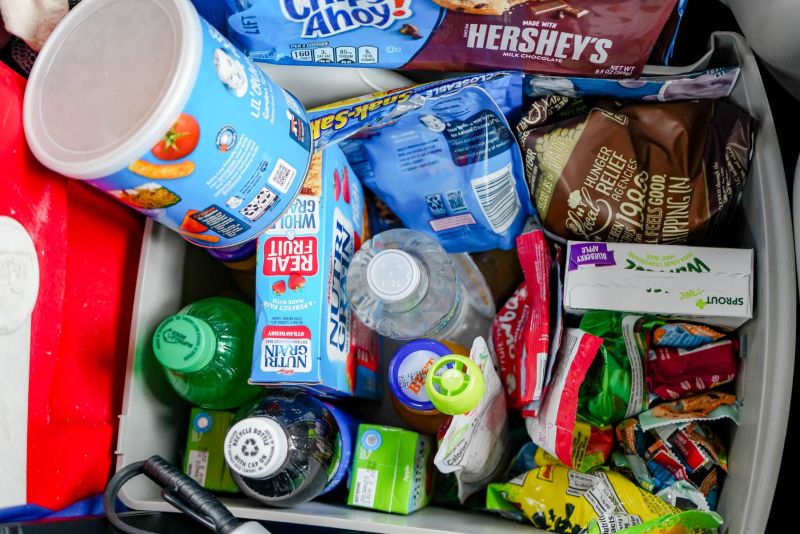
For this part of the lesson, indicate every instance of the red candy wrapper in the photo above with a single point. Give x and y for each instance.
(554, 426)
(521, 330)
(692, 454)
(660, 454)
(674, 373)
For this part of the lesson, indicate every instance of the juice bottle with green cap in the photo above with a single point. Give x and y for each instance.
(455, 384)
(407, 371)
(206, 350)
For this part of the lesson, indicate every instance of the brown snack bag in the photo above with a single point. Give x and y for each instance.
(635, 172)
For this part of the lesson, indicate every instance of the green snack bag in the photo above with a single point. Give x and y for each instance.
(689, 522)
(392, 470)
(204, 459)
(614, 388)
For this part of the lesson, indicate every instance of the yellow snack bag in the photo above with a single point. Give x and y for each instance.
(560, 499)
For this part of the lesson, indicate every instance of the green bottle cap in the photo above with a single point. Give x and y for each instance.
(184, 343)
(455, 384)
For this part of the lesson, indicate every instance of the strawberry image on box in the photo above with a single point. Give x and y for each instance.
(307, 334)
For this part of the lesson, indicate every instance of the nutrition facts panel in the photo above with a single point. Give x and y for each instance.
(339, 54)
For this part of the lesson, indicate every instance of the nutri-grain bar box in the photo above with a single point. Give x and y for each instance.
(307, 335)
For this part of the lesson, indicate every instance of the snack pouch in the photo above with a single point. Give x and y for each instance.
(560, 499)
(553, 428)
(713, 83)
(588, 37)
(556, 328)
(673, 373)
(591, 446)
(707, 406)
(688, 522)
(614, 388)
(653, 173)
(475, 444)
(677, 462)
(684, 335)
(448, 164)
(521, 330)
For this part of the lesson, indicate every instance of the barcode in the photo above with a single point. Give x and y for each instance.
(282, 176)
(257, 207)
(498, 198)
(366, 485)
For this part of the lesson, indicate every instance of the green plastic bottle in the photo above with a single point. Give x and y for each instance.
(206, 350)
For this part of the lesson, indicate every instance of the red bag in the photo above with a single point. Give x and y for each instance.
(87, 246)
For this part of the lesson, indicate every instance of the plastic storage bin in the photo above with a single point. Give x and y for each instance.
(151, 424)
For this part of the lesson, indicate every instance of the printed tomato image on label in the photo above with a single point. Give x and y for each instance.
(286, 350)
(284, 256)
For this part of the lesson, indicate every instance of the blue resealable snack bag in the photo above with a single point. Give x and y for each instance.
(442, 156)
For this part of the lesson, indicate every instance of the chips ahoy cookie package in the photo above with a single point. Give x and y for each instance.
(608, 38)
(307, 334)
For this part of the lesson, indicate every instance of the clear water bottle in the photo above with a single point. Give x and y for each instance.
(288, 448)
(207, 351)
(403, 285)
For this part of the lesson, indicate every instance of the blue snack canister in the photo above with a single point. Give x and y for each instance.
(149, 103)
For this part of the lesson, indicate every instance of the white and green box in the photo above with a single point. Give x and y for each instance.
(204, 459)
(392, 470)
(710, 285)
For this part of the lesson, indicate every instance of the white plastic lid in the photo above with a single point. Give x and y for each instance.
(256, 447)
(111, 79)
(393, 274)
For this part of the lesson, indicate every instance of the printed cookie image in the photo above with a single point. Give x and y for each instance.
(411, 31)
(230, 72)
(481, 7)
(149, 196)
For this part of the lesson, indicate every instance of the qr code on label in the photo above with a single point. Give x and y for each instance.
(259, 205)
(436, 205)
(282, 176)
(455, 200)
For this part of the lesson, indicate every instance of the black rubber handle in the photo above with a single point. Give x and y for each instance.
(192, 494)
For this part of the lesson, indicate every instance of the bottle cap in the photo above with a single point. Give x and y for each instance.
(256, 447)
(184, 343)
(408, 369)
(393, 274)
(455, 384)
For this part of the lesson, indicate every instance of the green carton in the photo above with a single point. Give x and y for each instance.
(392, 470)
(204, 460)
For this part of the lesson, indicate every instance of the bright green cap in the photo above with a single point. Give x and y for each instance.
(455, 384)
(184, 343)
